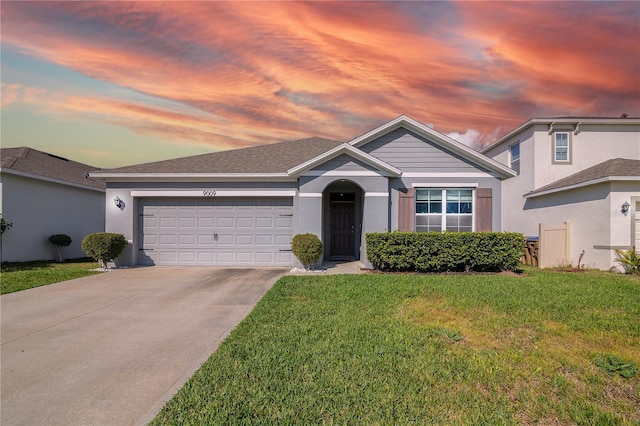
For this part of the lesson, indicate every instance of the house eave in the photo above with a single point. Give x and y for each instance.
(192, 177)
(51, 180)
(535, 194)
(556, 121)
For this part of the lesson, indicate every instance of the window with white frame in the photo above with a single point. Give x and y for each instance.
(439, 210)
(514, 157)
(561, 147)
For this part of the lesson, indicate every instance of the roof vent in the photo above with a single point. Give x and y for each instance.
(625, 115)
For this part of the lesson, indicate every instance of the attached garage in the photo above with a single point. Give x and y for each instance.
(216, 231)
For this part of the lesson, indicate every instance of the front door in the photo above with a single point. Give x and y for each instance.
(343, 229)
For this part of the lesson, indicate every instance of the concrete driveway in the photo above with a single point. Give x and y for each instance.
(111, 349)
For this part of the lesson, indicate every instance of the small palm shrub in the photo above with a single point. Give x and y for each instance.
(103, 246)
(60, 241)
(307, 248)
(629, 260)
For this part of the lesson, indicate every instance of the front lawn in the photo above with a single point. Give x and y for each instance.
(427, 349)
(24, 275)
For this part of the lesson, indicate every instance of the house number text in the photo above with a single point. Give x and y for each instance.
(209, 193)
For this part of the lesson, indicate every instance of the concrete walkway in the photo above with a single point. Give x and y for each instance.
(331, 267)
(111, 349)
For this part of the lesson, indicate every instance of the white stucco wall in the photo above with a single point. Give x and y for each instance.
(38, 209)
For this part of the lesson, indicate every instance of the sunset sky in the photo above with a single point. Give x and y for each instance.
(117, 83)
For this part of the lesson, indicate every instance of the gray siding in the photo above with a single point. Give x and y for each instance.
(344, 163)
(412, 153)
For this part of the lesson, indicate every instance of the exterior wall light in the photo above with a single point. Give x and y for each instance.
(625, 207)
(118, 202)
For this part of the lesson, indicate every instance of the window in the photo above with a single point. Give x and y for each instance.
(514, 157)
(561, 148)
(439, 210)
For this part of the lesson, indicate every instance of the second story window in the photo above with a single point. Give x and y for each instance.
(514, 157)
(561, 148)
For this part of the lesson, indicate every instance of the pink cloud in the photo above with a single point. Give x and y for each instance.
(257, 72)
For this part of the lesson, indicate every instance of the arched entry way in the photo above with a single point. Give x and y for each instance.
(342, 208)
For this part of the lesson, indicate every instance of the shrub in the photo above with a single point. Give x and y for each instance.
(630, 260)
(453, 251)
(60, 240)
(307, 248)
(4, 224)
(103, 246)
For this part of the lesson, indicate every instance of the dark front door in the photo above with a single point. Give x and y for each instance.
(343, 229)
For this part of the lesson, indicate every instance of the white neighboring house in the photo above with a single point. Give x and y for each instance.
(583, 170)
(43, 194)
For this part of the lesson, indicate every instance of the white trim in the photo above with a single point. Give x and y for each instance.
(310, 194)
(581, 184)
(436, 185)
(376, 194)
(51, 180)
(348, 150)
(363, 173)
(214, 193)
(445, 175)
(444, 214)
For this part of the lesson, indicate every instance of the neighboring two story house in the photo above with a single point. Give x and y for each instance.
(581, 170)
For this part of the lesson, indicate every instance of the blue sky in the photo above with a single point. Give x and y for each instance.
(118, 83)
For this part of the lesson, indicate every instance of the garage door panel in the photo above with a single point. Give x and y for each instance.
(246, 240)
(264, 240)
(225, 222)
(284, 222)
(216, 231)
(225, 240)
(206, 222)
(244, 222)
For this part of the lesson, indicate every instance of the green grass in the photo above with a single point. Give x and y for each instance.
(425, 349)
(25, 275)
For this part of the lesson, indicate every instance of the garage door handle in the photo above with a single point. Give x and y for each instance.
(143, 249)
(285, 250)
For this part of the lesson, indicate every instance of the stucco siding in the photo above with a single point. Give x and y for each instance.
(38, 209)
(412, 153)
(597, 224)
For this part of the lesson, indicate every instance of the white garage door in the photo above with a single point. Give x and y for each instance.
(216, 231)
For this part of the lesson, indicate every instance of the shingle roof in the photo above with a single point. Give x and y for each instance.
(273, 158)
(34, 162)
(616, 167)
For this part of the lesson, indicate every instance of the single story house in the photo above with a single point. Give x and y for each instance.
(584, 171)
(44, 194)
(242, 207)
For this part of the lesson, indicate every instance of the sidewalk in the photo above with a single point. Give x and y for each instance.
(331, 267)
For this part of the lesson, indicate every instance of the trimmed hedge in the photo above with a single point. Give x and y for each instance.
(447, 252)
(103, 246)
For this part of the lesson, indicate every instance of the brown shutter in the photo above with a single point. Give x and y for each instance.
(483, 210)
(406, 209)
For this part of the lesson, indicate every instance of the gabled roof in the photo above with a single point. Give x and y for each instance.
(610, 170)
(36, 164)
(577, 121)
(274, 159)
(439, 139)
(349, 150)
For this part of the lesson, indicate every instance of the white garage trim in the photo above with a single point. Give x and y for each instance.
(209, 193)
